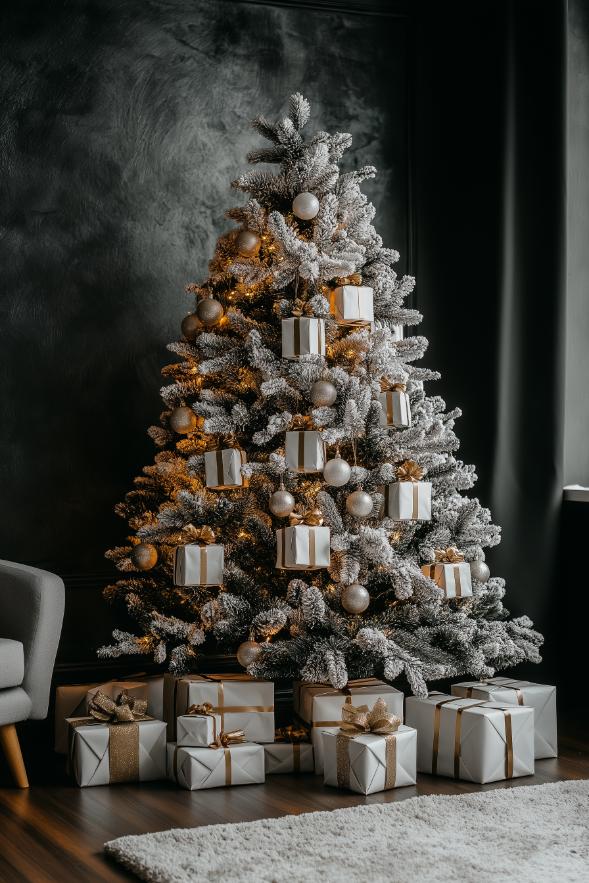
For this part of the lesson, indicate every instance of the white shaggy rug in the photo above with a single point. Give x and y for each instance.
(524, 834)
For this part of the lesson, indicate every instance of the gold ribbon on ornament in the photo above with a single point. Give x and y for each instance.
(203, 534)
(451, 555)
(312, 517)
(352, 279)
(233, 737)
(392, 385)
(377, 721)
(409, 470)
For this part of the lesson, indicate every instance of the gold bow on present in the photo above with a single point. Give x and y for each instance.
(352, 279)
(361, 719)
(291, 734)
(117, 711)
(451, 555)
(234, 737)
(387, 385)
(409, 470)
(205, 709)
(312, 517)
(204, 534)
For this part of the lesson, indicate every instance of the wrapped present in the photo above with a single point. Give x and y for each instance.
(237, 701)
(201, 563)
(116, 743)
(450, 572)
(320, 706)
(197, 728)
(398, 332)
(223, 468)
(303, 547)
(352, 305)
(70, 702)
(408, 498)
(507, 691)
(395, 408)
(472, 740)
(233, 764)
(303, 337)
(291, 752)
(371, 752)
(305, 451)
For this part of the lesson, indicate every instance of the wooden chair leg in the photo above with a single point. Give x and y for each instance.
(11, 747)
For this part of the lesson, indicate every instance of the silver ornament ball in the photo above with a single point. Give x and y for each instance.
(209, 311)
(247, 653)
(305, 206)
(281, 503)
(337, 472)
(355, 598)
(323, 393)
(248, 243)
(479, 571)
(359, 504)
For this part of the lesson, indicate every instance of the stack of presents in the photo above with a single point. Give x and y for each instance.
(206, 731)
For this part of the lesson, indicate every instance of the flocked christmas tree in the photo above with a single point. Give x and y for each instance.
(306, 507)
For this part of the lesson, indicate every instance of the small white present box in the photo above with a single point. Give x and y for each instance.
(408, 500)
(303, 547)
(305, 451)
(197, 768)
(196, 730)
(288, 757)
(238, 702)
(540, 697)
(105, 754)
(453, 578)
(368, 762)
(223, 468)
(303, 337)
(472, 740)
(352, 304)
(398, 332)
(199, 565)
(395, 408)
(320, 706)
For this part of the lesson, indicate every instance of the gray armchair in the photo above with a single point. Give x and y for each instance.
(31, 613)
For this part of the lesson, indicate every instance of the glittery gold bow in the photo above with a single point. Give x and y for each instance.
(234, 737)
(291, 734)
(386, 384)
(409, 470)
(451, 555)
(302, 421)
(204, 534)
(361, 719)
(353, 279)
(313, 517)
(204, 709)
(116, 711)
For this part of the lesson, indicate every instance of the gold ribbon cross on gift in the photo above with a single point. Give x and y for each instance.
(451, 555)
(122, 716)
(378, 721)
(411, 471)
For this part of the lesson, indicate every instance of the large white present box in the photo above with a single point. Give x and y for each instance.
(223, 468)
(303, 337)
(453, 578)
(395, 408)
(197, 768)
(196, 730)
(199, 565)
(303, 547)
(540, 697)
(368, 762)
(352, 304)
(472, 740)
(288, 757)
(304, 450)
(408, 500)
(320, 706)
(105, 754)
(238, 702)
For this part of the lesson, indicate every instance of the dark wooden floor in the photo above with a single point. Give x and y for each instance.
(55, 831)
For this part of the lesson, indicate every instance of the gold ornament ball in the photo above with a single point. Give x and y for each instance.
(359, 504)
(183, 420)
(337, 472)
(209, 311)
(144, 556)
(323, 393)
(248, 243)
(247, 653)
(479, 571)
(355, 598)
(281, 503)
(191, 325)
(305, 206)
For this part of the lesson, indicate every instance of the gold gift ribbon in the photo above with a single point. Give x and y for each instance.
(203, 573)
(227, 766)
(301, 454)
(123, 746)
(296, 757)
(204, 710)
(327, 690)
(457, 735)
(438, 581)
(497, 682)
(409, 470)
(436, 738)
(297, 337)
(415, 511)
(377, 720)
(342, 748)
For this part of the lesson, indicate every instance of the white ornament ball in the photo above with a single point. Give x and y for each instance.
(323, 393)
(305, 206)
(281, 503)
(479, 571)
(337, 472)
(359, 504)
(355, 598)
(247, 653)
(248, 243)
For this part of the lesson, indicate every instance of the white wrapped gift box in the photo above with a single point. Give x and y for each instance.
(352, 304)
(288, 757)
(395, 408)
(453, 578)
(238, 702)
(198, 768)
(304, 451)
(199, 565)
(320, 705)
(398, 332)
(472, 740)
(90, 751)
(303, 547)
(303, 337)
(368, 762)
(196, 730)
(223, 468)
(408, 500)
(540, 697)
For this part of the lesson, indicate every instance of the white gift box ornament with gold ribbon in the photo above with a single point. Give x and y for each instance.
(398, 332)
(408, 498)
(395, 408)
(304, 451)
(200, 563)
(304, 336)
(197, 768)
(472, 740)
(352, 305)
(450, 572)
(223, 468)
(302, 547)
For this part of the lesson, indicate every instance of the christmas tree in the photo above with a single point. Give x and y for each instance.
(306, 506)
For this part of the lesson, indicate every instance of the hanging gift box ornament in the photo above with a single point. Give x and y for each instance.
(408, 498)
(450, 572)
(304, 451)
(395, 407)
(200, 563)
(223, 468)
(398, 332)
(305, 545)
(303, 336)
(352, 305)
